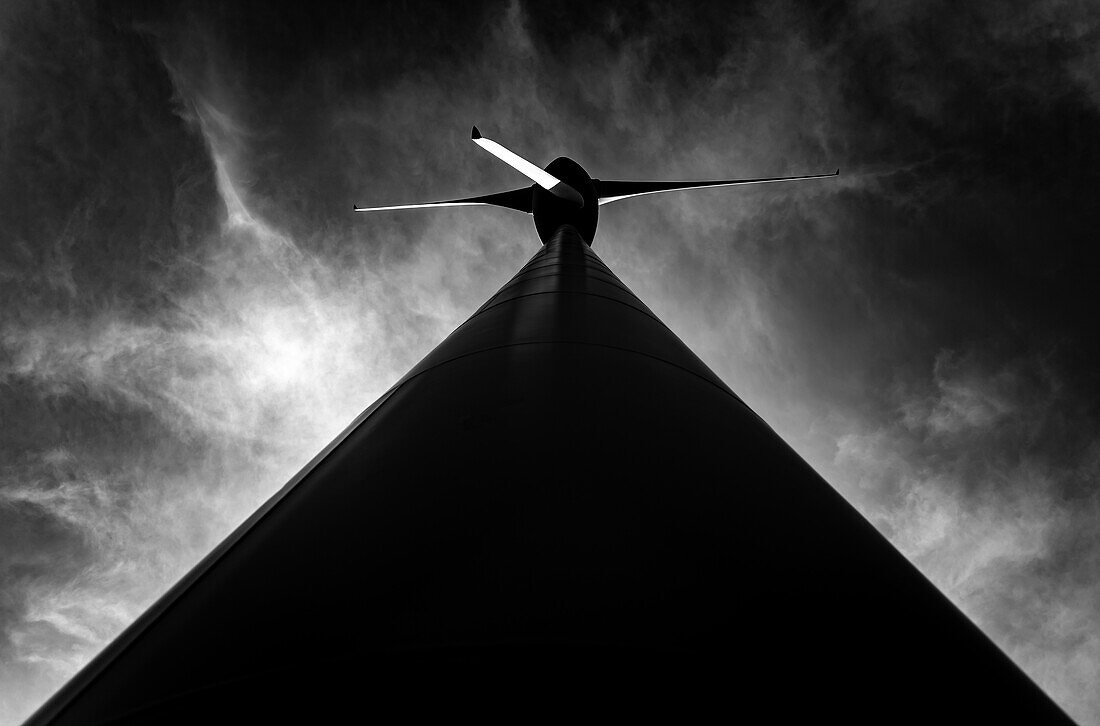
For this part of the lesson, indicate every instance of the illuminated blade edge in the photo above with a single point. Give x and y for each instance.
(540, 176)
(419, 206)
(606, 189)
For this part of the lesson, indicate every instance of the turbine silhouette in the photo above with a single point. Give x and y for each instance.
(559, 510)
(564, 193)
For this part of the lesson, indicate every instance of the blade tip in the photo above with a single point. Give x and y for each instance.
(475, 134)
(837, 172)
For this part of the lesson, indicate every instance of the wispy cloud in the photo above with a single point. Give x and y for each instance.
(190, 312)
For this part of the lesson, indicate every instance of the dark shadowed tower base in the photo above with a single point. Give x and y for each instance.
(560, 510)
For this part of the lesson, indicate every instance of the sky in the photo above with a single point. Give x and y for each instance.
(189, 310)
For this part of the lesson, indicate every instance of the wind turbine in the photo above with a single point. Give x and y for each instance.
(559, 512)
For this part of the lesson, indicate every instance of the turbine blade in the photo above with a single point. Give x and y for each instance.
(612, 191)
(518, 199)
(544, 179)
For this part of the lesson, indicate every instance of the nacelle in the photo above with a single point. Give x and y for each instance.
(551, 211)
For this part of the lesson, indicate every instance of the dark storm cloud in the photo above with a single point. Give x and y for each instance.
(191, 311)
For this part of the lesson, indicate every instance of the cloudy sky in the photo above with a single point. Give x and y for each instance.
(189, 311)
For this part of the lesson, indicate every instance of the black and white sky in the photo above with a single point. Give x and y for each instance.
(189, 310)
